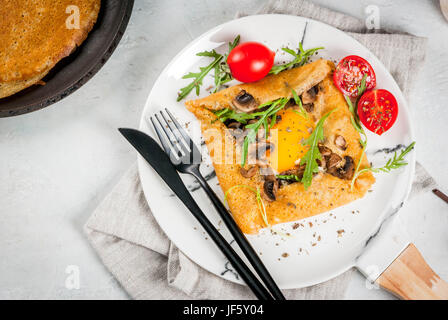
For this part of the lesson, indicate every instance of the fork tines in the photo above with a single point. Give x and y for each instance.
(175, 140)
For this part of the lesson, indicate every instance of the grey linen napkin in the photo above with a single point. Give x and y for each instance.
(140, 256)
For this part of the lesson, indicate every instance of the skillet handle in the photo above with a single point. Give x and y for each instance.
(409, 277)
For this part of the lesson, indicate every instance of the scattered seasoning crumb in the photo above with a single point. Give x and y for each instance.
(295, 226)
(340, 232)
(195, 228)
(276, 244)
(290, 204)
(311, 224)
(314, 235)
(285, 255)
(319, 238)
(313, 244)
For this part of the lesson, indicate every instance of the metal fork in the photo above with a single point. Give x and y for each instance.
(186, 157)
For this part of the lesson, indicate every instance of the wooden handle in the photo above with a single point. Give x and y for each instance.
(444, 7)
(409, 277)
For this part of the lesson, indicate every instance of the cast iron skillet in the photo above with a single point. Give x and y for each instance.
(75, 70)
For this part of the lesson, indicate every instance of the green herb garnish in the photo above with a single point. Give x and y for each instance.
(354, 118)
(300, 58)
(219, 64)
(393, 163)
(260, 202)
(313, 153)
(222, 70)
(298, 102)
(230, 114)
(265, 116)
(288, 177)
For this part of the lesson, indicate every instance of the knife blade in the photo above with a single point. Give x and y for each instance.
(150, 150)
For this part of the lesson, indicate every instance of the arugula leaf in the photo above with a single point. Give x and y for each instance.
(301, 57)
(298, 102)
(198, 77)
(288, 177)
(362, 87)
(309, 160)
(260, 202)
(222, 70)
(266, 118)
(219, 64)
(355, 121)
(227, 113)
(354, 118)
(393, 163)
(271, 113)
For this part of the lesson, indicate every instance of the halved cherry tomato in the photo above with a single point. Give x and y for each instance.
(349, 73)
(378, 110)
(250, 61)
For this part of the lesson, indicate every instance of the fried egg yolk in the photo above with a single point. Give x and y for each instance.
(287, 136)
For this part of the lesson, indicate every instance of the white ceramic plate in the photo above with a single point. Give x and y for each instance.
(323, 246)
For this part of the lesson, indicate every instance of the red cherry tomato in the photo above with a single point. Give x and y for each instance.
(349, 73)
(250, 61)
(378, 110)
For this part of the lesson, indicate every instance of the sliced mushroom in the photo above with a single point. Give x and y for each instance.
(340, 142)
(270, 188)
(233, 124)
(309, 96)
(248, 173)
(309, 107)
(298, 172)
(333, 160)
(322, 162)
(244, 102)
(238, 134)
(346, 171)
(324, 151)
(349, 167)
(266, 170)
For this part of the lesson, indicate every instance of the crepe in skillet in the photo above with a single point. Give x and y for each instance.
(34, 37)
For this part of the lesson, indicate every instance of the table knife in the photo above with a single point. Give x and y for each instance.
(150, 150)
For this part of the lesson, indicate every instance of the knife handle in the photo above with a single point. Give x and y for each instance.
(239, 237)
(410, 278)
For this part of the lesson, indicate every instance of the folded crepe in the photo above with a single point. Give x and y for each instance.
(329, 188)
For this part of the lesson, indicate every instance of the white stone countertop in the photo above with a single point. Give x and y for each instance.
(57, 164)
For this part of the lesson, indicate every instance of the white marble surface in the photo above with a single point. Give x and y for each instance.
(58, 163)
